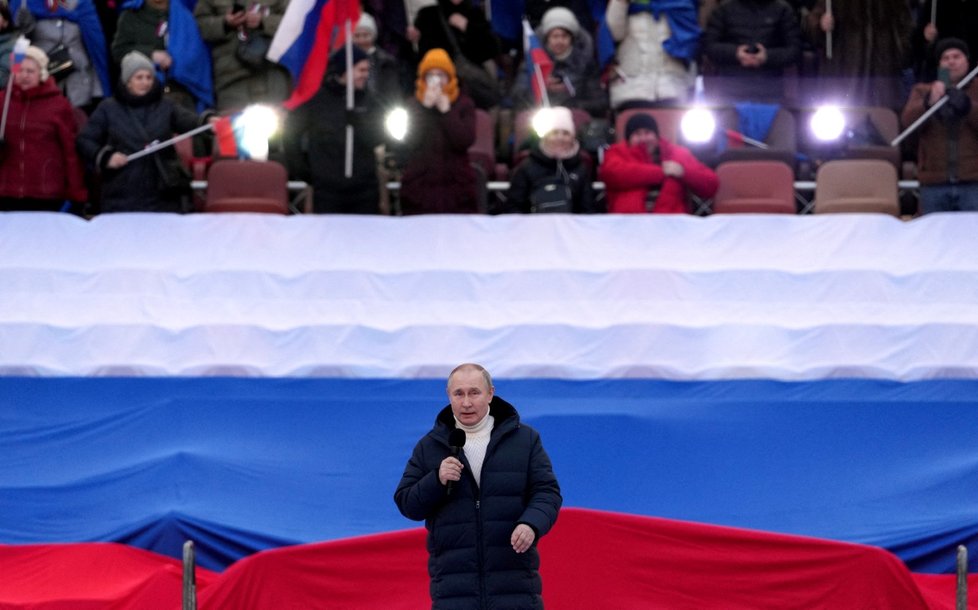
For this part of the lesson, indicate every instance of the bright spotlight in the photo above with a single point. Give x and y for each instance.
(256, 124)
(698, 125)
(396, 123)
(542, 121)
(828, 123)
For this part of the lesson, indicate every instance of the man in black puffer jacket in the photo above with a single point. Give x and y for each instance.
(485, 509)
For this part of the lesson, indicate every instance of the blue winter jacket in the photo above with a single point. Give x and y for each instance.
(471, 562)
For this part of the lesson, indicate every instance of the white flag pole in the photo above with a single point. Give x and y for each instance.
(152, 148)
(348, 165)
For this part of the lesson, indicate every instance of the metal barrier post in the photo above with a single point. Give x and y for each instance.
(189, 577)
(961, 602)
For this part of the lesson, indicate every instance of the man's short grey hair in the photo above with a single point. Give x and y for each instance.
(472, 366)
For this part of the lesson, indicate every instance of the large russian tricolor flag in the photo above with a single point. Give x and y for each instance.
(743, 411)
(310, 30)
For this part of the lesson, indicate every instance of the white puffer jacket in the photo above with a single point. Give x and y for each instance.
(645, 71)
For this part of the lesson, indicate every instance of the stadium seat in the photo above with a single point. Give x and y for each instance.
(781, 139)
(857, 185)
(483, 150)
(247, 186)
(755, 187)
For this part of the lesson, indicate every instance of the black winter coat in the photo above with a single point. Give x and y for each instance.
(315, 143)
(127, 124)
(471, 562)
(772, 23)
(538, 169)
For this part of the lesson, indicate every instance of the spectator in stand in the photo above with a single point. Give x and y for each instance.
(8, 36)
(555, 177)
(135, 117)
(239, 35)
(647, 173)
(39, 167)
(71, 31)
(384, 82)
(458, 24)
(947, 155)
(437, 176)
(871, 51)
(750, 43)
(315, 140)
(146, 30)
(954, 20)
(575, 81)
(656, 44)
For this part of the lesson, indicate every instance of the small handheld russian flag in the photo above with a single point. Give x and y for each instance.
(538, 64)
(18, 53)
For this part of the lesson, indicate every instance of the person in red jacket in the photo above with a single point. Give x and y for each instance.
(39, 166)
(646, 173)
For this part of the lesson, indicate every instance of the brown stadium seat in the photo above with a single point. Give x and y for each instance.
(755, 187)
(857, 185)
(247, 186)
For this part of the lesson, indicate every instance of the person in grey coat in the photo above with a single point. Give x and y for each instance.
(486, 507)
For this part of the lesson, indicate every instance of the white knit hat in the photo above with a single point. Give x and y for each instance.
(368, 23)
(559, 17)
(133, 62)
(561, 118)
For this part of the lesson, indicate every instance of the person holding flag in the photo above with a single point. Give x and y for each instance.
(564, 65)
(39, 167)
(136, 117)
(315, 139)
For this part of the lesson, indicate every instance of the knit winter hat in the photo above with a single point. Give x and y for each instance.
(133, 62)
(561, 118)
(368, 23)
(559, 17)
(38, 55)
(437, 59)
(640, 121)
(951, 43)
(336, 65)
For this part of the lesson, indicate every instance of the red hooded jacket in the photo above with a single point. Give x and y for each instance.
(628, 173)
(38, 159)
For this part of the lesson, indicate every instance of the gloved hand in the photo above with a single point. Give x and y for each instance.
(958, 101)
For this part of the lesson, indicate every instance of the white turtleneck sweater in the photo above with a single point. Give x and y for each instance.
(476, 441)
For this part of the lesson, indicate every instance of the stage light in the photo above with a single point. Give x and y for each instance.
(698, 125)
(256, 124)
(542, 121)
(396, 123)
(828, 123)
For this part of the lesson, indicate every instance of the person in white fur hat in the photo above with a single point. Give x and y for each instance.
(385, 83)
(40, 169)
(575, 81)
(556, 176)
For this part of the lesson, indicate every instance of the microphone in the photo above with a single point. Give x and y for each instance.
(457, 440)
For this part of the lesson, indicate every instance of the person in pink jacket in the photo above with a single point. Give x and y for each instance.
(646, 173)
